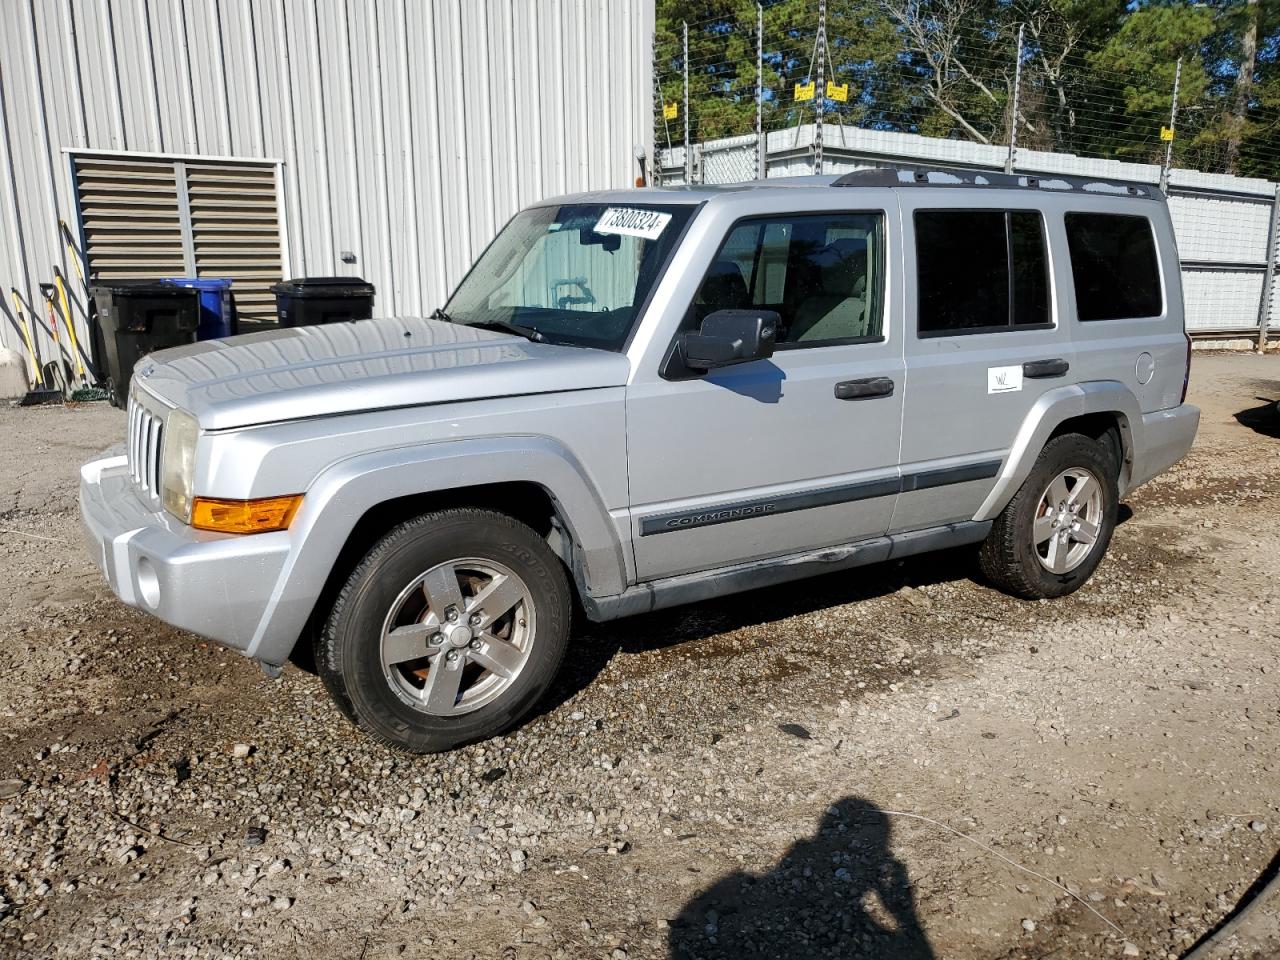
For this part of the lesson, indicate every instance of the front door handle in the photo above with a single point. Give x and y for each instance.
(867, 389)
(1039, 369)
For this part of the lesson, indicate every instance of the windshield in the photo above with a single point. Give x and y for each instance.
(571, 274)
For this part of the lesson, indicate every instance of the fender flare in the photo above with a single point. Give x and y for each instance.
(346, 490)
(1049, 412)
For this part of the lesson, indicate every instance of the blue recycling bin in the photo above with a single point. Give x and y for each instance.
(217, 312)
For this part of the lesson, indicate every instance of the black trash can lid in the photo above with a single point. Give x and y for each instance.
(149, 288)
(303, 287)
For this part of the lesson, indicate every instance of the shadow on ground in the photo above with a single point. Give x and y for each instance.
(838, 894)
(595, 644)
(1264, 419)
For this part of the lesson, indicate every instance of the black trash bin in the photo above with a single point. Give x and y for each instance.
(137, 317)
(304, 301)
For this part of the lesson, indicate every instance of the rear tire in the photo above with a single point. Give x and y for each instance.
(449, 631)
(1053, 534)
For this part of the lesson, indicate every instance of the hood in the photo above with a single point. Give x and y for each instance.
(298, 372)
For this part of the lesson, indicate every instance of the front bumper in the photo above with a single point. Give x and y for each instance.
(217, 585)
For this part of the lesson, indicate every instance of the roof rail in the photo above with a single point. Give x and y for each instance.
(957, 177)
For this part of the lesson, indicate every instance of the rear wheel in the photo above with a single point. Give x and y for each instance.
(449, 631)
(1053, 534)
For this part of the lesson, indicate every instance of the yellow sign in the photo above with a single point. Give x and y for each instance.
(1166, 133)
(838, 91)
(669, 111)
(804, 91)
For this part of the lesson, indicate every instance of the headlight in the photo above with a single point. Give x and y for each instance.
(178, 461)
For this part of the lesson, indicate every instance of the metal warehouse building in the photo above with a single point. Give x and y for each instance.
(262, 139)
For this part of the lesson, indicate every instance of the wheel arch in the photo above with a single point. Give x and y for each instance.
(1106, 411)
(355, 502)
(523, 500)
(1112, 429)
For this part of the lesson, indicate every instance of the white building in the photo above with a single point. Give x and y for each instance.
(262, 139)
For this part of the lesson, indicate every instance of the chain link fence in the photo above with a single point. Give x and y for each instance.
(1030, 84)
(794, 87)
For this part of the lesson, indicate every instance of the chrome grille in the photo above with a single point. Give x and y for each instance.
(146, 435)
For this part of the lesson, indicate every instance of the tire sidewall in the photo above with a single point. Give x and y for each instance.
(1063, 453)
(353, 631)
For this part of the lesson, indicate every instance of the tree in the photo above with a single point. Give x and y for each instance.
(1141, 61)
(722, 58)
(1057, 94)
(1244, 82)
(954, 62)
(1096, 75)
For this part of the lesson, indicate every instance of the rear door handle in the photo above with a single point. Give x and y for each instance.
(867, 389)
(1039, 369)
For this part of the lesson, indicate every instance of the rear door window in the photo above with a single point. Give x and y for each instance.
(1114, 266)
(980, 271)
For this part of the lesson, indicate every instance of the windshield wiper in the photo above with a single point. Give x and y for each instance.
(505, 326)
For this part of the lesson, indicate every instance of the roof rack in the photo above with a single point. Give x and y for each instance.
(957, 177)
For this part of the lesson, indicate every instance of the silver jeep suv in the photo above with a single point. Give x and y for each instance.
(642, 398)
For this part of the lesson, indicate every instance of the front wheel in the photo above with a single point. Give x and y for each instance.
(1053, 534)
(449, 631)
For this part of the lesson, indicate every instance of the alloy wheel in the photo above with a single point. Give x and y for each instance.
(458, 636)
(1068, 520)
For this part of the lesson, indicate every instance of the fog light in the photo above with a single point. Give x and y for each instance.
(244, 516)
(148, 583)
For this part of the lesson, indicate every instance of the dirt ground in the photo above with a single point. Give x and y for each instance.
(892, 762)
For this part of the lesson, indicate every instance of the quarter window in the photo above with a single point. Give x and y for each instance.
(980, 271)
(1114, 266)
(822, 274)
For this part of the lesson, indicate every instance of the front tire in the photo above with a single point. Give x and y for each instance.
(448, 631)
(1053, 534)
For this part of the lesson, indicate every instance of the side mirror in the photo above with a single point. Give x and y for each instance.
(731, 336)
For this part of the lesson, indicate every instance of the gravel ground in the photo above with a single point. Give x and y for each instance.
(892, 762)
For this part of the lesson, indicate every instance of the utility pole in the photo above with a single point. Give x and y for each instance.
(820, 93)
(1017, 91)
(1268, 278)
(1173, 127)
(659, 116)
(762, 160)
(684, 59)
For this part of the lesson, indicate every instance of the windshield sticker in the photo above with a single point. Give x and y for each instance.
(631, 222)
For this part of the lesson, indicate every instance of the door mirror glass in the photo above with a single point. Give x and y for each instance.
(731, 336)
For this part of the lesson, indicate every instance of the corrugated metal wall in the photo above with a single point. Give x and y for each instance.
(407, 132)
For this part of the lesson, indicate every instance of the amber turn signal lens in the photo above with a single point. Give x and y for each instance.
(244, 516)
